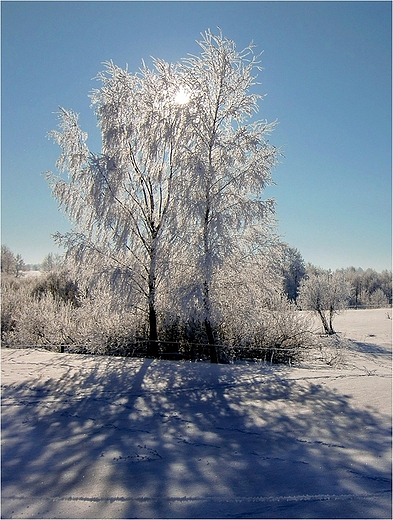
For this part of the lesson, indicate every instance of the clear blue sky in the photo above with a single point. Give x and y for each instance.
(327, 76)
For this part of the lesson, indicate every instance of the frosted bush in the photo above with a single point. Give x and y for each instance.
(43, 322)
(15, 295)
(281, 335)
(33, 318)
(252, 320)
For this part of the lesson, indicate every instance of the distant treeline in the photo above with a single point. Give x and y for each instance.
(369, 288)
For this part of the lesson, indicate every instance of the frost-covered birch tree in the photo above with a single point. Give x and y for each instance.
(324, 292)
(175, 196)
(230, 162)
(122, 200)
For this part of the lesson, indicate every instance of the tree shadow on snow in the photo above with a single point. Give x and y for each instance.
(370, 348)
(134, 438)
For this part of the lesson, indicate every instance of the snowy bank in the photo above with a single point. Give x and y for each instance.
(100, 437)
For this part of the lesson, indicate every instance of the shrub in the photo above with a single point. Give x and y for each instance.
(59, 286)
(15, 295)
(51, 313)
(281, 336)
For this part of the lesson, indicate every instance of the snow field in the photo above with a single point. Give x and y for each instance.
(100, 437)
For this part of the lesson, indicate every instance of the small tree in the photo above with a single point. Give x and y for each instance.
(293, 270)
(20, 265)
(8, 261)
(324, 292)
(11, 264)
(52, 262)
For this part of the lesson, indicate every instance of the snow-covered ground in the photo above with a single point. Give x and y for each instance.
(101, 437)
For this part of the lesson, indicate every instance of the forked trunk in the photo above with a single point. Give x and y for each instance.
(325, 324)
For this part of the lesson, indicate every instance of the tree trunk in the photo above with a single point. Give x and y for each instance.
(210, 338)
(208, 325)
(324, 321)
(331, 314)
(152, 348)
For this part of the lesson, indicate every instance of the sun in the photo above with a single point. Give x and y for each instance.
(182, 97)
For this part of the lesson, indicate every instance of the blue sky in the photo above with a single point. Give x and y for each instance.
(327, 76)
